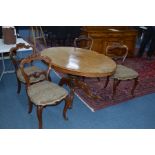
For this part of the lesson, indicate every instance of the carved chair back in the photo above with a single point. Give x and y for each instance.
(13, 54)
(117, 51)
(83, 41)
(43, 74)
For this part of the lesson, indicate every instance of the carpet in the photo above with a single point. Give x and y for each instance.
(146, 70)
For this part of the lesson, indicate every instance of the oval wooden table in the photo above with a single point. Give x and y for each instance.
(76, 62)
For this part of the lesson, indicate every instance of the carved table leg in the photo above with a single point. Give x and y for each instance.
(85, 88)
(73, 82)
(68, 102)
(66, 81)
(71, 97)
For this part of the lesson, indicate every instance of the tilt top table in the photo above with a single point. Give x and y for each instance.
(76, 62)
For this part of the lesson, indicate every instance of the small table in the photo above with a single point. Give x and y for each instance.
(77, 62)
(5, 48)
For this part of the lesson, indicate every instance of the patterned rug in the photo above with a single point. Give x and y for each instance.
(146, 70)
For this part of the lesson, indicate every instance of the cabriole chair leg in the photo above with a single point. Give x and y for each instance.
(39, 115)
(115, 84)
(107, 81)
(19, 86)
(30, 106)
(134, 86)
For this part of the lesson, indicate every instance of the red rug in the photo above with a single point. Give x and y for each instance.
(146, 70)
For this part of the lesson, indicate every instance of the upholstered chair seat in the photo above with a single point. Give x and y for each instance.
(46, 93)
(29, 70)
(124, 73)
(41, 91)
(16, 59)
(120, 51)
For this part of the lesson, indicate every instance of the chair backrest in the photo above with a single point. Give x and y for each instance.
(38, 38)
(83, 41)
(117, 51)
(13, 54)
(44, 73)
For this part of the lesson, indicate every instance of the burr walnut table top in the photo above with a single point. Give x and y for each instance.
(80, 62)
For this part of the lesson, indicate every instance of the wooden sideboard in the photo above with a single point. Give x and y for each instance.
(105, 35)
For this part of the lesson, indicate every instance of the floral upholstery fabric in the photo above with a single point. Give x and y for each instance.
(46, 93)
(30, 70)
(124, 73)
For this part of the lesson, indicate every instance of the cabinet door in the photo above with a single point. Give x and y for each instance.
(130, 41)
(98, 45)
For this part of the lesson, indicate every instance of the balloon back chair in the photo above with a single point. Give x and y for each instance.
(122, 73)
(43, 93)
(16, 59)
(83, 41)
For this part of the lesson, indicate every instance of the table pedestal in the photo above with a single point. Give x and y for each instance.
(74, 82)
